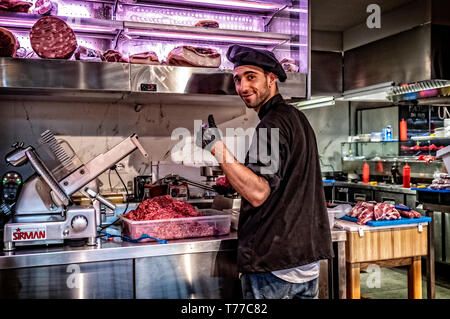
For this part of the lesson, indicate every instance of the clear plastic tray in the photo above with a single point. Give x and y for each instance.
(213, 223)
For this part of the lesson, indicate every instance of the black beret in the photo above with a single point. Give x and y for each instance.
(240, 55)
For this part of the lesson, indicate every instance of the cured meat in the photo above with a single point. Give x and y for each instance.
(149, 57)
(15, 5)
(194, 56)
(289, 65)
(8, 43)
(52, 38)
(114, 56)
(207, 24)
(45, 7)
(87, 54)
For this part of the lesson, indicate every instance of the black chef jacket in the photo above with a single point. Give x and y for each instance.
(291, 227)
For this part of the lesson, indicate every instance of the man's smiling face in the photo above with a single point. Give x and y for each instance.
(253, 85)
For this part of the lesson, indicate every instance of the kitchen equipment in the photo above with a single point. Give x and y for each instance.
(211, 173)
(44, 213)
(139, 186)
(381, 223)
(376, 136)
(178, 186)
(364, 138)
(222, 202)
(445, 155)
(11, 186)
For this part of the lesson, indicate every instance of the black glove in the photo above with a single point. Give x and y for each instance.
(222, 190)
(208, 135)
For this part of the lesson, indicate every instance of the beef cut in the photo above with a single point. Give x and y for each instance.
(87, 54)
(114, 56)
(194, 57)
(410, 214)
(366, 214)
(15, 5)
(207, 24)
(52, 38)
(289, 65)
(148, 57)
(45, 7)
(367, 211)
(8, 43)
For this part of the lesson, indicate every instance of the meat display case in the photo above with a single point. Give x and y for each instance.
(131, 27)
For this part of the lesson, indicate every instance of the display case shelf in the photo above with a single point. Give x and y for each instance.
(151, 30)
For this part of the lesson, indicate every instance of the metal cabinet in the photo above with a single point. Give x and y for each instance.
(98, 280)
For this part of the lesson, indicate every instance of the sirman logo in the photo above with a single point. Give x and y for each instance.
(21, 234)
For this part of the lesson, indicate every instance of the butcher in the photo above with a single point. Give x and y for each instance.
(283, 228)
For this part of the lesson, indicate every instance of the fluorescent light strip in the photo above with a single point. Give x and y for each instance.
(216, 38)
(75, 27)
(237, 4)
(16, 23)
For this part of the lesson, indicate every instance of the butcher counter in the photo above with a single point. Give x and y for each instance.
(191, 268)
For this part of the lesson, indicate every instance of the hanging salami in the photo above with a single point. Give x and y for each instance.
(52, 38)
(8, 43)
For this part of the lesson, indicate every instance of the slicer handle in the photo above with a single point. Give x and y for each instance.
(92, 194)
(46, 175)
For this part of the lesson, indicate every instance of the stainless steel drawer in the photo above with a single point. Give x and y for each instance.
(390, 198)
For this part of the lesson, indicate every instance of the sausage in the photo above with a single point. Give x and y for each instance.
(52, 38)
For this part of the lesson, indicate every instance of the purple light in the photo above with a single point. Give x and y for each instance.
(215, 38)
(236, 4)
(11, 22)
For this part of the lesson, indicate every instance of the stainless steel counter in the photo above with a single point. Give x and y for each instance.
(30, 256)
(192, 268)
(109, 251)
(378, 187)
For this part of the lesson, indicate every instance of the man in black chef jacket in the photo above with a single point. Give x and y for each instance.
(283, 228)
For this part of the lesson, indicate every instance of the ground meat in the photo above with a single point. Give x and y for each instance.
(163, 211)
(162, 207)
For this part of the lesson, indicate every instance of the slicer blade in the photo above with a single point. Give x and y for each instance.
(49, 138)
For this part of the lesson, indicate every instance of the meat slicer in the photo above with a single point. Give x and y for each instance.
(44, 213)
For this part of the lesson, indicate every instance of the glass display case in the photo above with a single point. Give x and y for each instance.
(414, 148)
(134, 26)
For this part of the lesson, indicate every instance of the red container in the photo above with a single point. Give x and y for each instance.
(406, 176)
(366, 173)
(403, 130)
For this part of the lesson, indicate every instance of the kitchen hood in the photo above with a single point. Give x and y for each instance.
(410, 65)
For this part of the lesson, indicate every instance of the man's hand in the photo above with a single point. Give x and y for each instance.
(208, 135)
